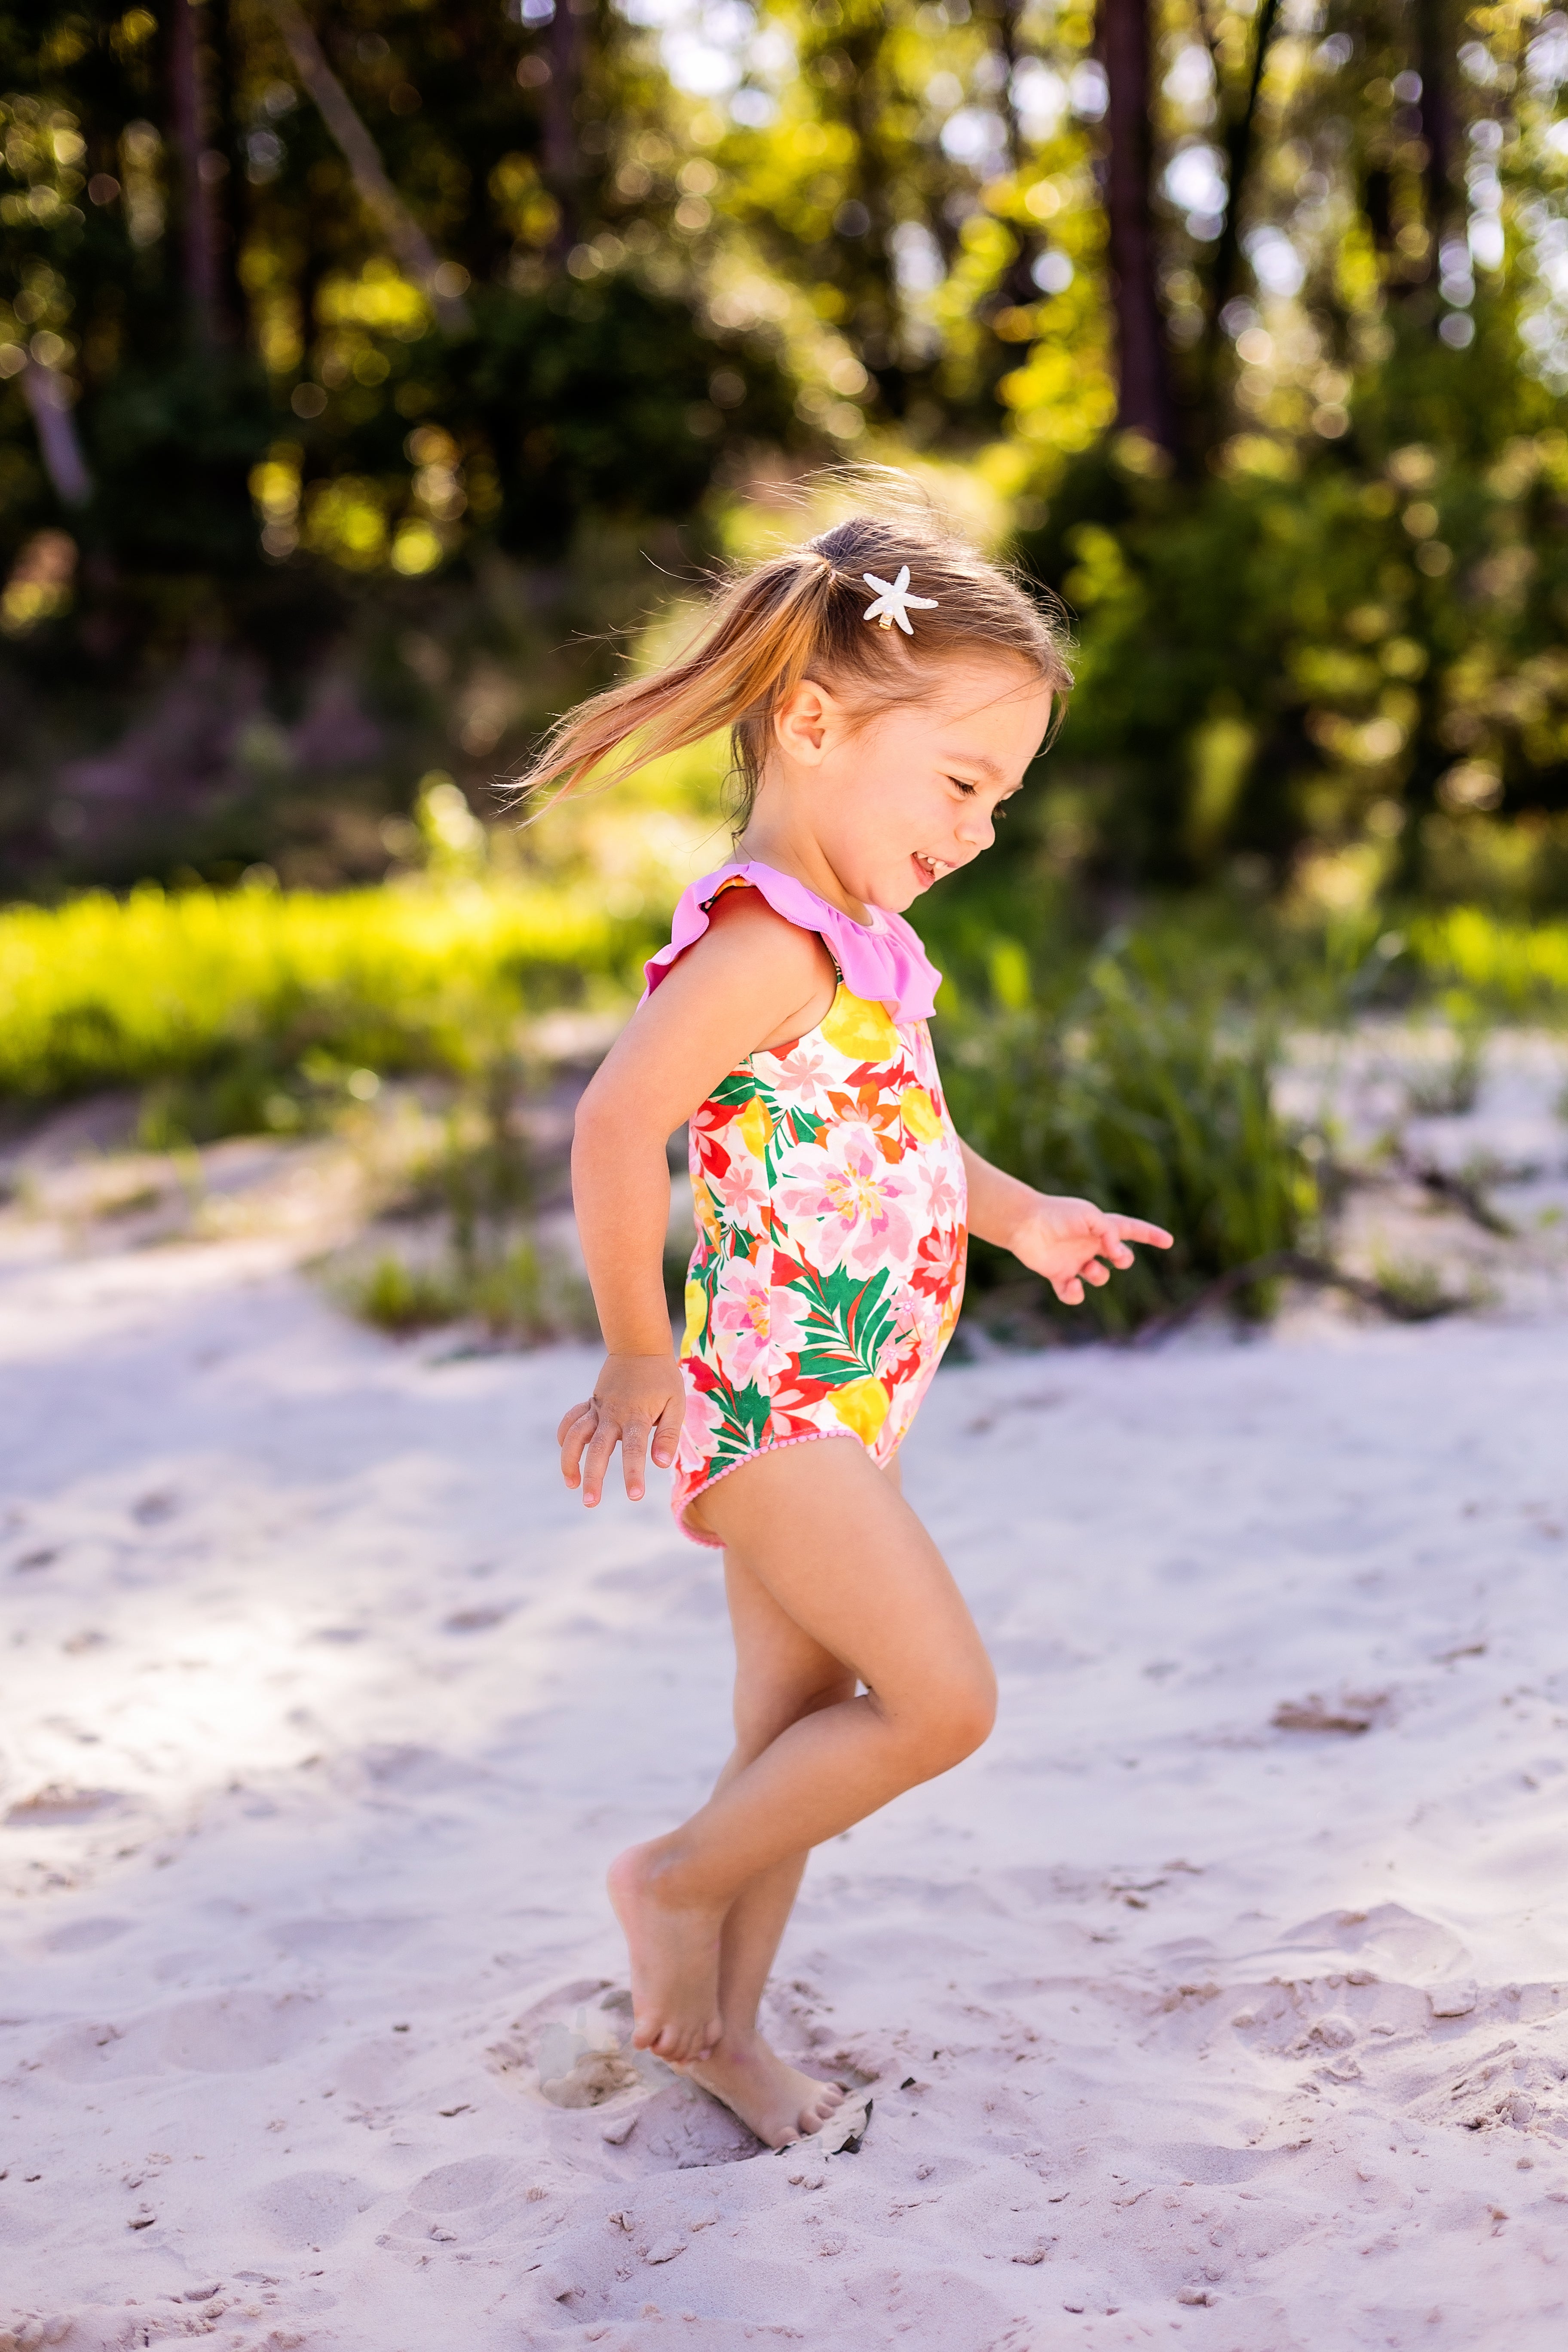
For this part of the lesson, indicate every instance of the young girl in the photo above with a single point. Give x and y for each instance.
(887, 690)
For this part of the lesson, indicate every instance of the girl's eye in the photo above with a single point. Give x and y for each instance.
(959, 786)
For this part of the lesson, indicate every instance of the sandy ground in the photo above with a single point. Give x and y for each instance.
(324, 1707)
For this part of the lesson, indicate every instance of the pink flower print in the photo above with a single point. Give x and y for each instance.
(741, 1321)
(939, 1175)
(740, 1194)
(842, 1199)
(698, 1432)
(800, 1079)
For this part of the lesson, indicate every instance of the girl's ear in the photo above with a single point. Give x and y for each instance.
(803, 722)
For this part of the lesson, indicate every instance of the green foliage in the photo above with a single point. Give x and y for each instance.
(220, 331)
(1321, 629)
(1138, 1094)
(520, 1298)
(1500, 967)
(587, 398)
(399, 1297)
(1333, 677)
(490, 1268)
(255, 986)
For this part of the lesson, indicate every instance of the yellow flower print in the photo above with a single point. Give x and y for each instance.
(862, 1407)
(861, 1028)
(920, 1115)
(757, 1127)
(696, 1316)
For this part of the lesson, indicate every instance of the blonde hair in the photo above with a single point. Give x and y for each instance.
(801, 615)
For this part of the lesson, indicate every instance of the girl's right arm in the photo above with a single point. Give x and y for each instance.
(749, 980)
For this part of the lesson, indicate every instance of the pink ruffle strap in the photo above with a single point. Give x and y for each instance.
(882, 961)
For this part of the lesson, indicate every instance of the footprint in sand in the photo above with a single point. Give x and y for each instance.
(455, 2202)
(226, 2033)
(312, 2209)
(84, 1935)
(473, 2181)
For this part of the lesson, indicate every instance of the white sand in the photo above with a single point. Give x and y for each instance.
(325, 1707)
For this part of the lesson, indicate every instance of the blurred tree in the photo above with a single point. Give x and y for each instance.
(288, 306)
(350, 354)
(1145, 403)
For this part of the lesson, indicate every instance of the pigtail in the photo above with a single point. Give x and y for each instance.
(804, 614)
(754, 648)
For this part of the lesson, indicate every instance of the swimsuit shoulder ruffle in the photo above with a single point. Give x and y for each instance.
(883, 961)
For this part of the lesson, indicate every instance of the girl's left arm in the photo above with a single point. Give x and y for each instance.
(1063, 1239)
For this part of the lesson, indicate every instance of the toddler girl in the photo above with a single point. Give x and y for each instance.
(886, 690)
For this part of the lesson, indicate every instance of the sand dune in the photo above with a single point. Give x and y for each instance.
(325, 1706)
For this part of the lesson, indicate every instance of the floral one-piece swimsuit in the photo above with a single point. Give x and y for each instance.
(829, 1194)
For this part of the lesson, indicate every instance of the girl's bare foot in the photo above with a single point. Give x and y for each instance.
(675, 1962)
(777, 2102)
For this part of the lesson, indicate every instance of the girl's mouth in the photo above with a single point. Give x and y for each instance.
(929, 870)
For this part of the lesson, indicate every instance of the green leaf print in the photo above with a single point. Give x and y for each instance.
(735, 1092)
(848, 1324)
(744, 1416)
(790, 1128)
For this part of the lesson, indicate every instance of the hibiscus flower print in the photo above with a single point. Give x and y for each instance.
(801, 1080)
(844, 1203)
(741, 1197)
(942, 1190)
(742, 1320)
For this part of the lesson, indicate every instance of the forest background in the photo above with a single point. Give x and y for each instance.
(375, 376)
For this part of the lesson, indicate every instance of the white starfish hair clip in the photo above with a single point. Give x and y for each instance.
(894, 602)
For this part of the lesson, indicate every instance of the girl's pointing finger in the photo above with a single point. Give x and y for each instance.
(1133, 1229)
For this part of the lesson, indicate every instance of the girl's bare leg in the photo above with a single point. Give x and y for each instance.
(781, 1676)
(849, 1565)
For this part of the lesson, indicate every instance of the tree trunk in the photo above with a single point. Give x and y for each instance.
(875, 319)
(200, 257)
(562, 151)
(1241, 140)
(376, 193)
(1437, 123)
(227, 146)
(1144, 400)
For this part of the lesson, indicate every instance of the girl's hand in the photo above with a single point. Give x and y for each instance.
(635, 1396)
(1066, 1240)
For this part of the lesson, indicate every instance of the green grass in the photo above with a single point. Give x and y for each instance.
(254, 988)
(1006, 934)
(1141, 1094)
(1502, 965)
(521, 1297)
